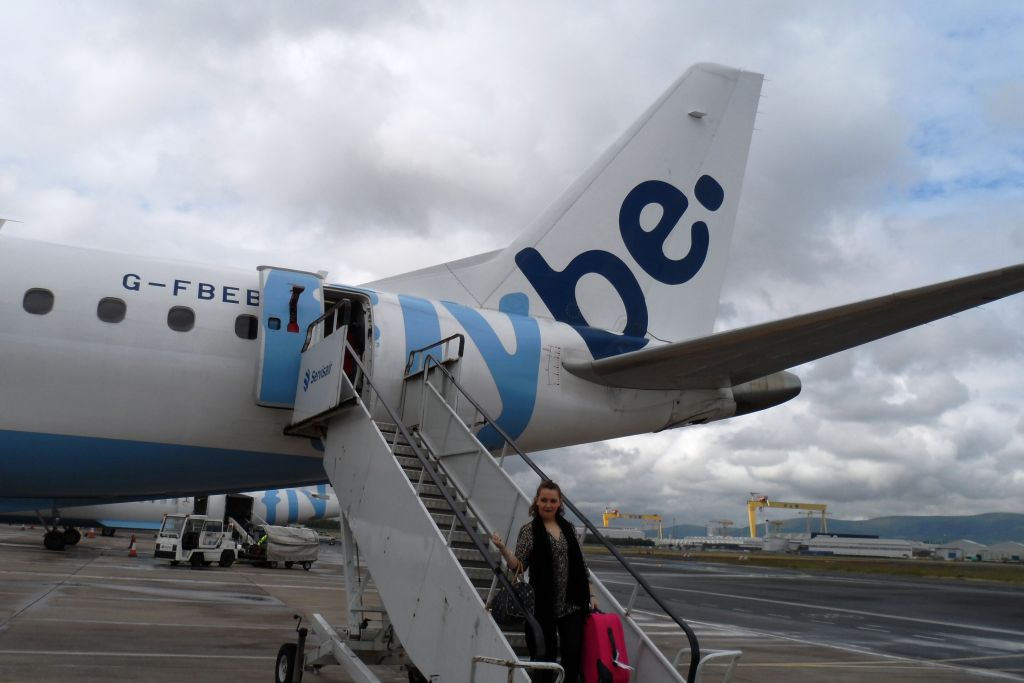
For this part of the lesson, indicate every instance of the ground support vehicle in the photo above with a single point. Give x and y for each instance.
(195, 539)
(283, 544)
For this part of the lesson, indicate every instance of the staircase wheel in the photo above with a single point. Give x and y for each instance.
(288, 564)
(307, 565)
(284, 672)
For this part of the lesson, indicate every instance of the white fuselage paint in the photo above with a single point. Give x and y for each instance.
(135, 409)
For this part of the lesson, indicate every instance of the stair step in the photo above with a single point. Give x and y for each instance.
(427, 490)
(473, 555)
(517, 639)
(444, 522)
(463, 538)
(409, 462)
(441, 505)
(479, 574)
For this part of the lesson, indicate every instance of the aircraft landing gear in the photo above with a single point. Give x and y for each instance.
(57, 538)
(54, 540)
(72, 535)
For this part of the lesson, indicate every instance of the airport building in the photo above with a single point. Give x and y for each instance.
(822, 544)
(1010, 551)
(961, 549)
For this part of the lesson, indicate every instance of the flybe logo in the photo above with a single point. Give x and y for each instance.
(515, 373)
(314, 376)
(557, 289)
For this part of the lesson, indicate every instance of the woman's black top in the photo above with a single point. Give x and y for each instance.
(563, 588)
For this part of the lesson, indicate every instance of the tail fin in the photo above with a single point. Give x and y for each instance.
(612, 257)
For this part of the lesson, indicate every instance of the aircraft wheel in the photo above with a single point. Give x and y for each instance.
(288, 564)
(307, 565)
(72, 536)
(106, 531)
(196, 560)
(285, 670)
(227, 558)
(54, 540)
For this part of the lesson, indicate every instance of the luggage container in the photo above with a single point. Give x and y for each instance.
(285, 545)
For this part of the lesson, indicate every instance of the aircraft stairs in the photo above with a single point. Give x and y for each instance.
(419, 496)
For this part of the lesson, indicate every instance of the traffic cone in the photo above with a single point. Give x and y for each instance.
(131, 548)
(92, 533)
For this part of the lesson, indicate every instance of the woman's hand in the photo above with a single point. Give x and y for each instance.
(511, 560)
(593, 603)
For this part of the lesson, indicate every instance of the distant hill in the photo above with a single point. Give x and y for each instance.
(989, 528)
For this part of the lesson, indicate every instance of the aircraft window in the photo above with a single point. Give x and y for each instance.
(38, 301)
(111, 310)
(246, 326)
(274, 323)
(181, 318)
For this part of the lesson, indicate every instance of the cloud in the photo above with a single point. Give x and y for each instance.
(889, 154)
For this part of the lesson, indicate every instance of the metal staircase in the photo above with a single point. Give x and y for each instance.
(420, 496)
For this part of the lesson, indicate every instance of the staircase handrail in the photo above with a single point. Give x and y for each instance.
(691, 637)
(412, 354)
(339, 305)
(535, 630)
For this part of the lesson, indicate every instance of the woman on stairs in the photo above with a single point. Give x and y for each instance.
(548, 548)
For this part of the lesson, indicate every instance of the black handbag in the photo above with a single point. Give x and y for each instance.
(504, 608)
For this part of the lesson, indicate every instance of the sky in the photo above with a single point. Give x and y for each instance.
(888, 154)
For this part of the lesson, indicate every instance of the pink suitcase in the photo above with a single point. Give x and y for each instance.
(604, 658)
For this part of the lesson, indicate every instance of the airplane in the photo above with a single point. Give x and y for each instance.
(126, 377)
(273, 506)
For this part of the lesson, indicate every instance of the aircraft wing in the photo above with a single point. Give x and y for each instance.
(736, 356)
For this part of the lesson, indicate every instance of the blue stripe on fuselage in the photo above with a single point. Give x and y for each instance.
(515, 374)
(36, 465)
(422, 327)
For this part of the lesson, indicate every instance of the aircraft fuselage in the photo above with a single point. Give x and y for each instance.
(132, 409)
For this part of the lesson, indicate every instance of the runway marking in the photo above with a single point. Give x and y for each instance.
(94, 653)
(798, 574)
(971, 627)
(896, 661)
(111, 622)
(873, 628)
(155, 579)
(980, 657)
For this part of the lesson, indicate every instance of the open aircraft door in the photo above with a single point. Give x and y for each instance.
(289, 301)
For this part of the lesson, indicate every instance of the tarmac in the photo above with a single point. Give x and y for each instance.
(92, 614)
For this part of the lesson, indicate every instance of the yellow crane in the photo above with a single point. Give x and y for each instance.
(757, 502)
(612, 513)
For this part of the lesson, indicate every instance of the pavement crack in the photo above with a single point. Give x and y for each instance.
(59, 584)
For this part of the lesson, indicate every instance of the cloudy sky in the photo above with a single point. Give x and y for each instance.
(889, 153)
